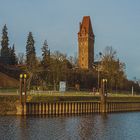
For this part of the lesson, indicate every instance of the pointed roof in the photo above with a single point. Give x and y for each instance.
(86, 24)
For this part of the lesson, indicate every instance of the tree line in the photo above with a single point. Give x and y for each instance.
(46, 72)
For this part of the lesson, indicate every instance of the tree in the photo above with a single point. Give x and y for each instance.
(21, 58)
(31, 61)
(45, 63)
(4, 44)
(30, 52)
(112, 68)
(45, 55)
(13, 58)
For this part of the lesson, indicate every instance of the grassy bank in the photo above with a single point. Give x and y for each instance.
(124, 98)
(55, 98)
(80, 97)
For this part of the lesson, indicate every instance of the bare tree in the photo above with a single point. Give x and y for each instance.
(21, 58)
(112, 68)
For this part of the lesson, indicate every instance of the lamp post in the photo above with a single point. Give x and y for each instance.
(132, 91)
(21, 76)
(23, 87)
(25, 76)
(98, 78)
(100, 56)
(96, 67)
(98, 70)
(105, 87)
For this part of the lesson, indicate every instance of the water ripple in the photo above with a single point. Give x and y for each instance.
(117, 126)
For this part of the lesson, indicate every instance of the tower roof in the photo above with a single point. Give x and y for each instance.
(86, 25)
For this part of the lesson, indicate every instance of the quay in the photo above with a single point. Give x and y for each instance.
(78, 107)
(25, 107)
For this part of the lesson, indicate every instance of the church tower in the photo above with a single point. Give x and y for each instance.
(85, 44)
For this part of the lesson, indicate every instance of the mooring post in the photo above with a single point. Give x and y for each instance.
(103, 94)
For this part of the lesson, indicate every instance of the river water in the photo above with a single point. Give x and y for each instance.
(115, 126)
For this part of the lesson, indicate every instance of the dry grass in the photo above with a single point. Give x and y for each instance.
(7, 81)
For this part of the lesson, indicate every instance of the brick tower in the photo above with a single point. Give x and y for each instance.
(86, 44)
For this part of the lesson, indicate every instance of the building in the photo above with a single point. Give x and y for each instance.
(85, 44)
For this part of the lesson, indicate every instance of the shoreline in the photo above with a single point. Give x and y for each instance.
(8, 104)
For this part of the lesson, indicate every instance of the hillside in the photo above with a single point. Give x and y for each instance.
(7, 81)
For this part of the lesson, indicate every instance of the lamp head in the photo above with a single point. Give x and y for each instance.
(25, 76)
(21, 76)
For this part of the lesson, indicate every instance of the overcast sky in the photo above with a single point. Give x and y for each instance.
(115, 23)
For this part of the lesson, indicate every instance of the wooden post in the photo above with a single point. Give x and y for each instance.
(103, 95)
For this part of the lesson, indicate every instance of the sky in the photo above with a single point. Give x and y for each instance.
(115, 23)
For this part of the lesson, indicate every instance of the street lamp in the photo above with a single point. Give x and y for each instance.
(97, 66)
(25, 76)
(98, 78)
(100, 55)
(21, 76)
(23, 87)
(104, 87)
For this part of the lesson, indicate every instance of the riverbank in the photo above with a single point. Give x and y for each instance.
(80, 97)
(8, 102)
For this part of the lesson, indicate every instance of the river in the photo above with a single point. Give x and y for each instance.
(115, 126)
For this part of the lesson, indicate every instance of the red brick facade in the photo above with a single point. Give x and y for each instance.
(86, 44)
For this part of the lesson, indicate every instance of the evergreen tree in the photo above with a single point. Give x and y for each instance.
(5, 52)
(31, 61)
(45, 62)
(45, 55)
(13, 58)
(30, 52)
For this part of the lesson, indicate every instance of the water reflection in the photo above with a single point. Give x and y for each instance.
(86, 127)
